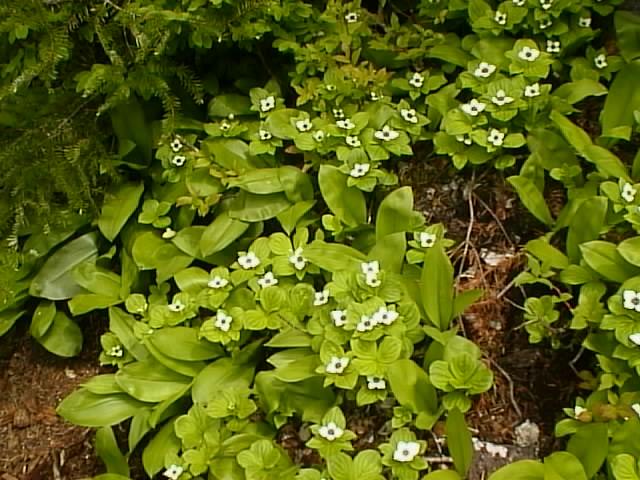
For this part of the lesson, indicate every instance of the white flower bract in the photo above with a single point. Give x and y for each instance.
(176, 306)
(376, 383)
(360, 170)
(268, 103)
(631, 300)
(385, 316)
(545, 23)
(546, 4)
(406, 451)
(636, 408)
(370, 268)
(409, 115)
(267, 280)
(319, 135)
(501, 98)
(339, 317)
(338, 113)
(584, 22)
(168, 233)
(264, 135)
(297, 260)
(473, 108)
(330, 431)
(464, 139)
(495, 137)
(532, 90)
(635, 338)
(345, 124)
(351, 17)
(417, 80)
(223, 321)
(176, 145)
(217, 282)
(173, 472)
(519, 3)
(372, 281)
(500, 18)
(375, 97)
(321, 298)
(427, 239)
(628, 193)
(484, 70)
(178, 160)
(553, 46)
(116, 351)
(337, 365)
(304, 125)
(529, 54)
(578, 410)
(225, 126)
(366, 324)
(386, 134)
(248, 260)
(353, 141)
(601, 61)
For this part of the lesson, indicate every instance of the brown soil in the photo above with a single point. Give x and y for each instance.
(36, 444)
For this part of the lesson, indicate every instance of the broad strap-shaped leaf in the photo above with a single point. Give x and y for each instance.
(437, 287)
(459, 441)
(532, 198)
(119, 204)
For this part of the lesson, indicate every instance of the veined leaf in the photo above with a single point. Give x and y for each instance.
(119, 204)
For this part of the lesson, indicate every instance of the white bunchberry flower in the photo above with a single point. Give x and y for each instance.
(217, 282)
(484, 70)
(359, 170)
(546, 4)
(584, 22)
(345, 124)
(223, 321)
(176, 145)
(178, 160)
(501, 98)
(264, 135)
(385, 316)
(173, 472)
(176, 306)
(330, 431)
(372, 280)
(168, 233)
(225, 126)
(304, 125)
(330, 87)
(545, 23)
(366, 324)
(636, 408)
(339, 317)
(353, 141)
(386, 134)
(248, 261)
(297, 260)
(631, 300)
(376, 383)
(268, 280)
(464, 139)
(473, 108)
(338, 113)
(321, 298)
(417, 80)
(500, 18)
(635, 338)
(351, 17)
(375, 97)
(116, 351)
(427, 239)
(529, 54)
(370, 268)
(578, 410)
(406, 451)
(409, 115)
(268, 103)
(628, 193)
(553, 46)
(318, 136)
(519, 3)
(337, 365)
(601, 61)
(532, 90)
(495, 137)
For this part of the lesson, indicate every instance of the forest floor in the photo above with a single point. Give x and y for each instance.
(532, 382)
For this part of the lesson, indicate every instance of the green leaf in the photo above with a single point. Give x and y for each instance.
(396, 214)
(346, 203)
(532, 198)
(250, 207)
(443, 475)
(627, 27)
(220, 375)
(603, 257)
(630, 250)
(520, 470)
(8, 318)
(622, 101)
(165, 444)
(150, 381)
(586, 225)
(90, 410)
(411, 386)
(97, 280)
(109, 452)
(63, 338)
(152, 252)
(42, 318)
(221, 233)
(459, 441)
(119, 204)
(182, 343)
(574, 92)
(333, 257)
(563, 466)
(55, 280)
(624, 467)
(437, 287)
(230, 104)
(590, 445)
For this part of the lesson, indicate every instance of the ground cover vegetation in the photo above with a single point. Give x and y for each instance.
(218, 181)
